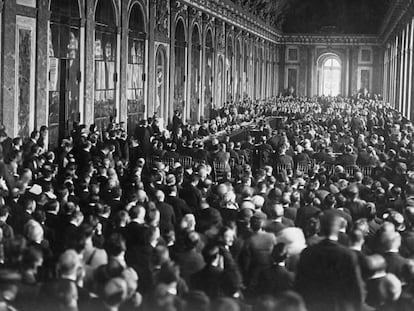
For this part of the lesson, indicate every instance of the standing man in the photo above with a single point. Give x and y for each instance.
(328, 274)
(143, 135)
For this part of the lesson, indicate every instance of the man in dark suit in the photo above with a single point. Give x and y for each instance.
(396, 264)
(27, 147)
(187, 257)
(348, 158)
(177, 122)
(191, 194)
(233, 153)
(172, 153)
(276, 279)
(180, 207)
(69, 268)
(328, 275)
(143, 135)
(6, 142)
(201, 154)
(263, 153)
(323, 155)
(20, 218)
(83, 157)
(32, 160)
(135, 230)
(277, 221)
(167, 215)
(248, 144)
(210, 278)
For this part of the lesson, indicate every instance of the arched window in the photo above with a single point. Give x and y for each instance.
(179, 72)
(331, 77)
(161, 108)
(229, 69)
(220, 70)
(135, 72)
(105, 63)
(245, 70)
(208, 85)
(260, 75)
(195, 74)
(64, 68)
(237, 81)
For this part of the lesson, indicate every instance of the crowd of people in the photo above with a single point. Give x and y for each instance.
(103, 223)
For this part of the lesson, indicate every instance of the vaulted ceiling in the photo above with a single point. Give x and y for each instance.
(320, 16)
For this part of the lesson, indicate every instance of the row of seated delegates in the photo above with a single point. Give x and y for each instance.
(93, 225)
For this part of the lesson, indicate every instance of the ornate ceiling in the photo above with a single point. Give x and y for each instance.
(320, 16)
(271, 11)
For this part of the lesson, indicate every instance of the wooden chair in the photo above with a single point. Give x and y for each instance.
(232, 163)
(152, 160)
(283, 168)
(303, 168)
(219, 170)
(350, 170)
(169, 162)
(366, 170)
(186, 162)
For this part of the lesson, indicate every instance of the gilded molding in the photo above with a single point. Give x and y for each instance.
(307, 39)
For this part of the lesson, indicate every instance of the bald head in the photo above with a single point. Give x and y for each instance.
(160, 196)
(390, 241)
(141, 196)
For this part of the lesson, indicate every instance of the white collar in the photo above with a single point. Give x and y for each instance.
(378, 275)
(332, 238)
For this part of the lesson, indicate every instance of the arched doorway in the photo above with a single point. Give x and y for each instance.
(229, 69)
(105, 63)
(220, 70)
(136, 65)
(208, 75)
(64, 66)
(195, 74)
(179, 66)
(161, 107)
(329, 75)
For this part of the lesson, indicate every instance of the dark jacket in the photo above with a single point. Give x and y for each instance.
(396, 264)
(167, 217)
(328, 278)
(192, 196)
(275, 280)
